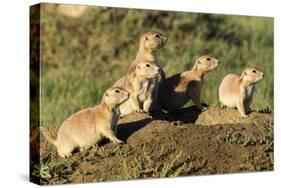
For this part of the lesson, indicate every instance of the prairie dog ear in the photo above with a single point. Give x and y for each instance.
(245, 73)
(199, 62)
(146, 38)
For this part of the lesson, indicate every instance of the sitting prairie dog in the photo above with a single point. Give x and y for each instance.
(150, 43)
(141, 92)
(178, 89)
(89, 126)
(237, 91)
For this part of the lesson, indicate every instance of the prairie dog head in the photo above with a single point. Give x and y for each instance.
(147, 70)
(152, 41)
(115, 96)
(206, 63)
(252, 75)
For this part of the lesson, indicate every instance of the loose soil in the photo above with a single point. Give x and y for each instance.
(186, 142)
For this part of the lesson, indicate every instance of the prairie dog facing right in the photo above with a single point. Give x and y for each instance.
(149, 45)
(178, 89)
(138, 83)
(89, 126)
(237, 91)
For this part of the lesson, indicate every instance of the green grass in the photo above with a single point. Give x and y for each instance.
(240, 138)
(81, 58)
(50, 169)
(150, 164)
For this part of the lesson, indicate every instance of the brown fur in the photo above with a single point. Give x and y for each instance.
(34, 133)
(237, 91)
(89, 126)
(178, 89)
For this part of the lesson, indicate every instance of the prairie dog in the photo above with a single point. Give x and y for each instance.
(138, 83)
(178, 89)
(89, 126)
(150, 43)
(237, 91)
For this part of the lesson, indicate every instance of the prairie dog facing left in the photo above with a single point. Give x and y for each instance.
(89, 126)
(237, 91)
(178, 89)
(141, 89)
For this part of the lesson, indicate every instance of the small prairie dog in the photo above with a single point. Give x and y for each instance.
(138, 84)
(89, 126)
(178, 89)
(237, 91)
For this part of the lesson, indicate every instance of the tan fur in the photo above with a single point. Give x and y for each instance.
(178, 89)
(150, 43)
(89, 126)
(237, 91)
(141, 91)
(73, 11)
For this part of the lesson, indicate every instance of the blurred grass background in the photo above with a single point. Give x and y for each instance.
(82, 57)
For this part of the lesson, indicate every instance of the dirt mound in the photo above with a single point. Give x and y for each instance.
(172, 145)
(216, 116)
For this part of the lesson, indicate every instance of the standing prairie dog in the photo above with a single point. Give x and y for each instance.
(178, 89)
(89, 126)
(237, 91)
(141, 92)
(150, 43)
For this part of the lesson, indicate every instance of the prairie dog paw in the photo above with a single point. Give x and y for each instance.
(117, 141)
(244, 116)
(140, 111)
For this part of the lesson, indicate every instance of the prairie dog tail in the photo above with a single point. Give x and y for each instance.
(50, 136)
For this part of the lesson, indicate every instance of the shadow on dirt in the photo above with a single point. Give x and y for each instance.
(185, 115)
(125, 130)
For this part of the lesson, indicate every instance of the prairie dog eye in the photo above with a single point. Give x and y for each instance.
(117, 91)
(157, 36)
(254, 71)
(208, 59)
(147, 65)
